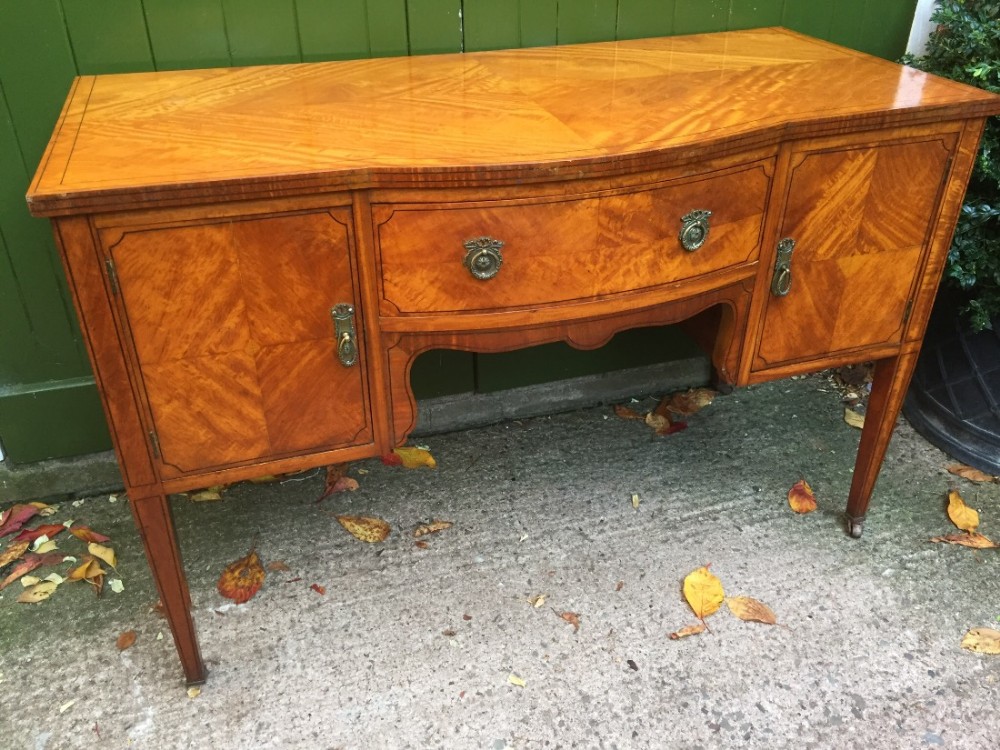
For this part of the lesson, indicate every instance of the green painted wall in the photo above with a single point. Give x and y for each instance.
(48, 403)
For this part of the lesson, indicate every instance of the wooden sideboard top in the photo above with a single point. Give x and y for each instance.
(139, 139)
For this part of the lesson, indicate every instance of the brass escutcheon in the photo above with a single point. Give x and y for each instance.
(483, 257)
(781, 282)
(343, 322)
(694, 229)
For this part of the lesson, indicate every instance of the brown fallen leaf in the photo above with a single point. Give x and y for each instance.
(982, 641)
(415, 458)
(689, 630)
(619, 586)
(338, 481)
(973, 539)
(421, 544)
(15, 517)
(318, 589)
(276, 566)
(686, 403)
(751, 610)
(365, 528)
(125, 640)
(854, 419)
(242, 579)
(801, 498)
(967, 472)
(662, 424)
(431, 528)
(964, 517)
(14, 550)
(625, 412)
(703, 592)
(37, 593)
(572, 618)
(87, 534)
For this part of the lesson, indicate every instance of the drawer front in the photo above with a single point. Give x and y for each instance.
(559, 250)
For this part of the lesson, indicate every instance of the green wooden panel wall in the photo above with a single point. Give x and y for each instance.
(48, 403)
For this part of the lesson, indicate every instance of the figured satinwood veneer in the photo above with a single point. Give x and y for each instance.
(257, 255)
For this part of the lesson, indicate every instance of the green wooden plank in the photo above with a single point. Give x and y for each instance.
(886, 27)
(700, 16)
(808, 17)
(587, 21)
(491, 24)
(645, 18)
(752, 14)
(333, 30)
(262, 32)
(539, 22)
(187, 33)
(387, 33)
(434, 26)
(108, 36)
(443, 372)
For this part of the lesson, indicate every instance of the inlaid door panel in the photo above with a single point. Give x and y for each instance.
(234, 338)
(860, 218)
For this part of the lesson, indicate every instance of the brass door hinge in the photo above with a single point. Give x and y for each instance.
(109, 265)
(154, 441)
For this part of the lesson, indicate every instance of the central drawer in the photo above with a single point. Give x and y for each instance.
(507, 253)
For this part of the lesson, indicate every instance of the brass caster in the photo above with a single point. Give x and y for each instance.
(855, 526)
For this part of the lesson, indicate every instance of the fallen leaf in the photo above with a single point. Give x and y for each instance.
(982, 641)
(55, 578)
(14, 550)
(703, 592)
(266, 479)
(15, 517)
(964, 517)
(37, 593)
(635, 501)
(657, 421)
(27, 581)
(87, 534)
(751, 610)
(43, 544)
(686, 403)
(973, 475)
(632, 665)
(572, 618)
(516, 681)
(421, 544)
(974, 540)
(537, 601)
(116, 585)
(466, 617)
(801, 498)
(854, 419)
(28, 564)
(414, 458)
(47, 530)
(278, 566)
(365, 528)
(67, 706)
(88, 570)
(337, 481)
(43, 509)
(619, 586)
(242, 579)
(431, 528)
(211, 495)
(102, 553)
(125, 640)
(194, 692)
(391, 459)
(689, 630)
(625, 412)
(318, 589)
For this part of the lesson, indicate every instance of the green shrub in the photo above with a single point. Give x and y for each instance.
(966, 47)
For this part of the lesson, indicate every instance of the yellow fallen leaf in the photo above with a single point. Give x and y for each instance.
(689, 630)
(365, 528)
(635, 501)
(206, 496)
(45, 510)
(266, 479)
(967, 472)
(537, 601)
(194, 692)
(414, 458)
(974, 540)
(703, 592)
(37, 593)
(41, 547)
(854, 419)
(125, 640)
(88, 570)
(431, 528)
(27, 581)
(749, 609)
(801, 498)
(242, 579)
(102, 553)
(964, 517)
(982, 641)
(513, 679)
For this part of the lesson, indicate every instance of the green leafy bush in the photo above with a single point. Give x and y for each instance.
(966, 47)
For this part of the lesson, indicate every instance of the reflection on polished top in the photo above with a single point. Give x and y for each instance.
(506, 115)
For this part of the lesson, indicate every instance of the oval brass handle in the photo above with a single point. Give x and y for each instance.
(781, 282)
(694, 229)
(483, 257)
(343, 322)
(347, 350)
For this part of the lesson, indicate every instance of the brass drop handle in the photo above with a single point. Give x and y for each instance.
(781, 282)
(343, 322)
(694, 229)
(483, 257)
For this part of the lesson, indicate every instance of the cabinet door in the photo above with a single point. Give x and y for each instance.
(860, 217)
(231, 325)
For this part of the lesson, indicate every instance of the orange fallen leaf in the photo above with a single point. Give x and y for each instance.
(14, 550)
(572, 618)
(125, 640)
(703, 592)
(421, 544)
(801, 498)
(415, 458)
(87, 534)
(318, 589)
(982, 641)
(749, 609)
(365, 528)
(49, 530)
(431, 528)
(973, 539)
(277, 566)
(689, 630)
(624, 412)
(242, 579)
(964, 517)
(973, 475)
(663, 424)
